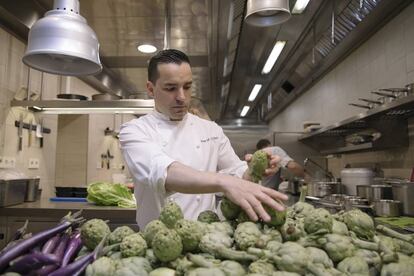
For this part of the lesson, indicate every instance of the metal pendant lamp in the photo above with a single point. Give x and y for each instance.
(63, 43)
(263, 13)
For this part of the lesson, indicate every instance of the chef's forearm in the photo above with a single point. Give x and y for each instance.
(183, 179)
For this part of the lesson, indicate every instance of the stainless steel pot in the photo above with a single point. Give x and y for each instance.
(363, 191)
(387, 208)
(379, 192)
(351, 202)
(404, 192)
(352, 177)
(322, 189)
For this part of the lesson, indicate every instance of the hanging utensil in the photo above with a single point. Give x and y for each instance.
(20, 132)
(39, 132)
(370, 101)
(29, 134)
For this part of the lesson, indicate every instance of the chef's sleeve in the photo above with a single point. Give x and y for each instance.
(146, 161)
(229, 162)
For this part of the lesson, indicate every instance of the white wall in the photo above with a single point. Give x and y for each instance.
(385, 60)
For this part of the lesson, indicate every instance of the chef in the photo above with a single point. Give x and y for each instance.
(174, 155)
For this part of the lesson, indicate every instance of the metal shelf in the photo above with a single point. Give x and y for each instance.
(389, 119)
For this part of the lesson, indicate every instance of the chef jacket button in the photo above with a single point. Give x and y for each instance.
(198, 198)
(198, 146)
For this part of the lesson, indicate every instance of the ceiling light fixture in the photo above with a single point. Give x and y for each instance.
(300, 6)
(265, 13)
(63, 43)
(147, 48)
(255, 91)
(244, 110)
(274, 55)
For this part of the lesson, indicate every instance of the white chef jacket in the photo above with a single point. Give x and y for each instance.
(152, 142)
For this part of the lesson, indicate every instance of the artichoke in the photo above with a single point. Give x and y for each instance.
(246, 235)
(229, 209)
(354, 266)
(318, 219)
(101, 267)
(277, 218)
(338, 247)
(93, 231)
(222, 226)
(203, 271)
(208, 216)
(137, 266)
(232, 268)
(360, 223)
(167, 245)
(242, 217)
(162, 271)
(292, 230)
(170, 214)
(119, 233)
(153, 228)
(190, 233)
(401, 268)
(261, 267)
(372, 258)
(133, 245)
(257, 165)
(339, 228)
(318, 256)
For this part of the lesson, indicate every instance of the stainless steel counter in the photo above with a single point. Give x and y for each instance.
(46, 208)
(45, 214)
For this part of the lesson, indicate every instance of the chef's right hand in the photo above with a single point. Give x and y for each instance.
(251, 197)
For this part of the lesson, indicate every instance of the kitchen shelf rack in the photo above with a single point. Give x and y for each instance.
(389, 119)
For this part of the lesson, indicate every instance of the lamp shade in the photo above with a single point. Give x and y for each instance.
(62, 42)
(263, 13)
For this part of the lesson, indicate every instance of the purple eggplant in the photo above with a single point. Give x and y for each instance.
(15, 242)
(32, 261)
(79, 266)
(41, 237)
(74, 246)
(59, 252)
(51, 244)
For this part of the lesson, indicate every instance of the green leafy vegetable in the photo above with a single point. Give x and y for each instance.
(103, 193)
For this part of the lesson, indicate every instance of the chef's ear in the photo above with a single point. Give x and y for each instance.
(150, 89)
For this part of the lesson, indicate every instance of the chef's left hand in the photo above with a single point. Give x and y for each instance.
(274, 162)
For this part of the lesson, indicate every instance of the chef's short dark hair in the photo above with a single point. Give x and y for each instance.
(165, 56)
(263, 143)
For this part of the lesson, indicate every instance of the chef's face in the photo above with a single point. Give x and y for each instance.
(172, 89)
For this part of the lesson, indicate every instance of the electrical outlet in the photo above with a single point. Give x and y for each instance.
(34, 163)
(7, 162)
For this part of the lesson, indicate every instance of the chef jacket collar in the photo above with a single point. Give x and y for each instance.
(164, 117)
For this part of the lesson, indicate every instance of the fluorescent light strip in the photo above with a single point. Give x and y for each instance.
(255, 91)
(244, 110)
(274, 55)
(300, 6)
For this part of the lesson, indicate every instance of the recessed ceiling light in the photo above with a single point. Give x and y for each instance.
(147, 48)
(244, 110)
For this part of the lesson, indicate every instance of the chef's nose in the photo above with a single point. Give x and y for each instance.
(180, 94)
